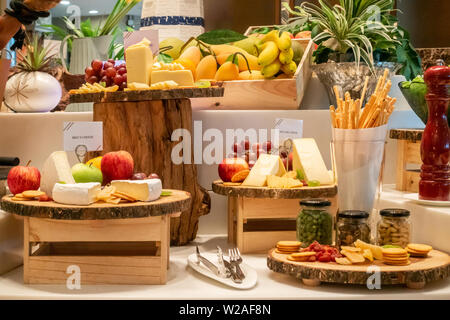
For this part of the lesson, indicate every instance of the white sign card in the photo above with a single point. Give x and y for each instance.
(289, 129)
(130, 38)
(83, 133)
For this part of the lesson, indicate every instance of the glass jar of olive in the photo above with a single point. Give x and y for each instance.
(314, 222)
(352, 225)
(394, 228)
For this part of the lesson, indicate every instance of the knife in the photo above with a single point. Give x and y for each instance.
(207, 263)
(224, 271)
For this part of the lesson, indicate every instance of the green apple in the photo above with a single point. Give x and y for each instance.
(83, 173)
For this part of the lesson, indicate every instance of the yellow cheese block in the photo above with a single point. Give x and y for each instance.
(267, 164)
(183, 78)
(307, 158)
(283, 182)
(139, 59)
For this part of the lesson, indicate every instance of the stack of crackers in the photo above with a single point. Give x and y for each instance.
(109, 195)
(395, 256)
(418, 250)
(288, 247)
(30, 195)
(301, 256)
(350, 114)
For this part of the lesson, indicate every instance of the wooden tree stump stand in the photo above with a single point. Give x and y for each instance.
(142, 123)
(260, 217)
(107, 244)
(408, 156)
(415, 275)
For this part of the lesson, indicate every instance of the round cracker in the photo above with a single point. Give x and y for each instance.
(32, 193)
(289, 243)
(419, 247)
(303, 254)
(305, 259)
(398, 264)
(393, 251)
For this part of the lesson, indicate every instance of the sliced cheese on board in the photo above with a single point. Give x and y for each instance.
(142, 190)
(139, 59)
(183, 78)
(307, 158)
(81, 194)
(56, 169)
(267, 164)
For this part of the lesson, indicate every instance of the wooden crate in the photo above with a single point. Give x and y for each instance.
(257, 223)
(102, 243)
(277, 94)
(408, 158)
(122, 251)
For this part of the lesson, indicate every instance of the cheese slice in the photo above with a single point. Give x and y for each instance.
(307, 158)
(267, 164)
(139, 59)
(81, 194)
(56, 169)
(142, 190)
(183, 78)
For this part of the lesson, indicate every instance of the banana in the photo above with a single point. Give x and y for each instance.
(289, 68)
(268, 54)
(284, 41)
(272, 69)
(271, 36)
(286, 56)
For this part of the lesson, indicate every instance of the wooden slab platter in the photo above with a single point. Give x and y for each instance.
(178, 201)
(264, 192)
(415, 275)
(148, 95)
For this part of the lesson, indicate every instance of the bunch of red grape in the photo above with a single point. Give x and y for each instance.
(109, 72)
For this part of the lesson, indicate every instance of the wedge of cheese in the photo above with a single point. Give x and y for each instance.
(267, 164)
(56, 169)
(307, 158)
(183, 78)
(139, 59)
(80, 194)
(142, 190)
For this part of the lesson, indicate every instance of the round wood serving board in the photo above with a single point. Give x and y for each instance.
(421, 270)
(264, 192)
(178, 201)
(147, 95)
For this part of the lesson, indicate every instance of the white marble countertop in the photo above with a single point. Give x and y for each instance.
(184, 283)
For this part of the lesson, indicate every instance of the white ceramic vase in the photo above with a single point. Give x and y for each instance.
(32, 92)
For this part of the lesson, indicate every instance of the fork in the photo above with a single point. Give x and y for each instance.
(236, 260)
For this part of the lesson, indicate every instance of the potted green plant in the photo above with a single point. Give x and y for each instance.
(33, 88)
(88, 42)
(356, 38)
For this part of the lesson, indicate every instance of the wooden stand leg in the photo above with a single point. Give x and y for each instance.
(26, 250)
(240, 224)
(401, 180)
(311, 282)
(165, 236)
(232, 207)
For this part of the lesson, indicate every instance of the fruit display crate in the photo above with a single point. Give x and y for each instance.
(408, 158)
(259, 217)
(106, 243)
(276, 94)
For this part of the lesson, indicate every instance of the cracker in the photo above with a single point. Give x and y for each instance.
(32, 193)
(289, 244)
(419, 247)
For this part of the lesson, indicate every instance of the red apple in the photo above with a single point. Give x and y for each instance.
(117, 165)
(23, 178)
(267, 146)
(139, 176)
(230, 166)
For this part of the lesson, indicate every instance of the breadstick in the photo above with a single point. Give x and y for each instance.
(338, 96)
(363, 94)
(366, 111)
(372, 119)
(345, 115)
(357, 112)
(333, 116)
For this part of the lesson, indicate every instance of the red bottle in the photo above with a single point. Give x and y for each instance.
(435, 147)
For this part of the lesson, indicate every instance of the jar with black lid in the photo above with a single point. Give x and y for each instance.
(314, 222)
(394, 227)
(352, 225)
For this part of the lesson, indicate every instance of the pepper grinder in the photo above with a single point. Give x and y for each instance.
(435, 146)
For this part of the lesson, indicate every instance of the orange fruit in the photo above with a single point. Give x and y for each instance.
(187, 64)
(240, 176)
